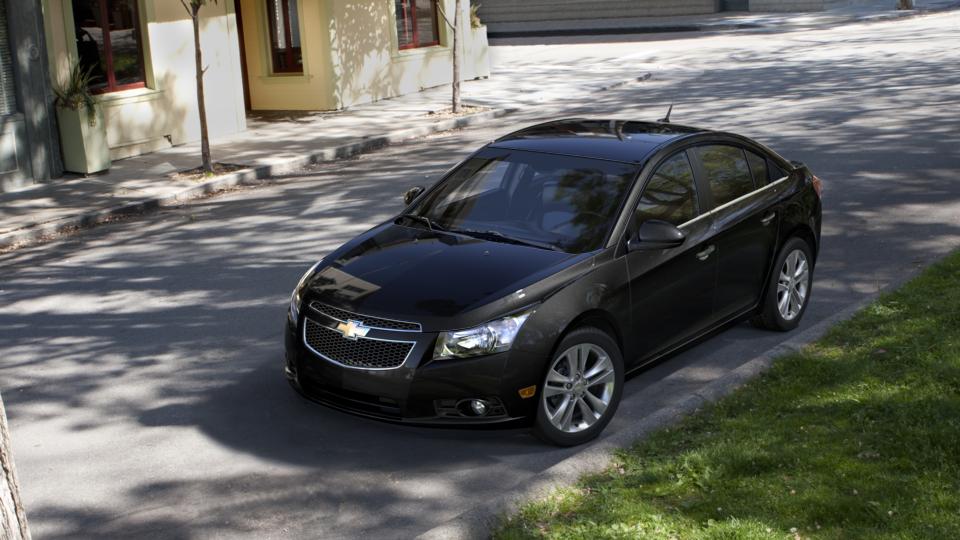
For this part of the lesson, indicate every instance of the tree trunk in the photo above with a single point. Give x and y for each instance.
(456, 57)
(201, 104)
(13, 519)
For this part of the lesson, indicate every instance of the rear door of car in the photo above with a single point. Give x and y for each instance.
(745, 219)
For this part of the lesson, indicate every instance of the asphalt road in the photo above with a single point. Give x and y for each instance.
(141, 361)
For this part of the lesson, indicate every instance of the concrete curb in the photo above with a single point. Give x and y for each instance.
(35, 233)
(719, 26)
(898, 15)
(623, 30)
(482, 519)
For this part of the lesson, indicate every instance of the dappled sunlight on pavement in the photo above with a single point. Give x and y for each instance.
(142, 360)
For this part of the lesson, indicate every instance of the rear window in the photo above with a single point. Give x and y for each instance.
(775, 171)
(758, 166)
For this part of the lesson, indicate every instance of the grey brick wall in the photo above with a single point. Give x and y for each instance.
(8, 97)
(29, 142)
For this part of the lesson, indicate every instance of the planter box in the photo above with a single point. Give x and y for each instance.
(83, 143)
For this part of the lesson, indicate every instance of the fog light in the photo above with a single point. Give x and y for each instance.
(478, 407)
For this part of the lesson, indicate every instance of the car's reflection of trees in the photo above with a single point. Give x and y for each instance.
(337, 285)
(590, 196)
(594, 198)
(618, 129)
(669, 195)
(727, 171)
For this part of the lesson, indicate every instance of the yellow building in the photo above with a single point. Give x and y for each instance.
(259, 54)
(331, 54)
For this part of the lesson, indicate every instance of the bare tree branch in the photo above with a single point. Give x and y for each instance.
(442, 14)
(193, 8)
(13, 518)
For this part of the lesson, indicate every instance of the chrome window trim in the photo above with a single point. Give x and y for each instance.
(360, 318)
(733, 202)
(332, 361)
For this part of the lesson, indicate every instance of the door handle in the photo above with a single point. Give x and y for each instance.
(705, 254)
(767, 219)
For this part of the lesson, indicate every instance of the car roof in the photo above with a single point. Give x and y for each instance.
(615, 140)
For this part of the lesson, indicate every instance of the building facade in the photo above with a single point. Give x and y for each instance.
(141, 55)
(28, 142)
(259, 54)
(331, 54)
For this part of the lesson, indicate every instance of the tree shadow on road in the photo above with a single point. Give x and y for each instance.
(155, 345)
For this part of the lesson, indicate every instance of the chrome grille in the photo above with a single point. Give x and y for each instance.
(343, 315)
(364, 353)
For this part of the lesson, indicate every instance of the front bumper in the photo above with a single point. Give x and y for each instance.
(421, 391)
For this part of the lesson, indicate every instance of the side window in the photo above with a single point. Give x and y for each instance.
(109, 43)
(758, 166)
(285, 50)
(670, 194)
(417, 23)
(727, 172)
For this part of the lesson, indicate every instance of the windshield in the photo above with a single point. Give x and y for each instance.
(558, 202)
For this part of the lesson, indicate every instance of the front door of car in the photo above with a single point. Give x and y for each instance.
(745, 221)
(671, 290)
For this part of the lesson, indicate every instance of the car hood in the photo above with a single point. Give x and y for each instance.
(438, 279)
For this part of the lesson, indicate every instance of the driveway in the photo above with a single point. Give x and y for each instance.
(141, 361)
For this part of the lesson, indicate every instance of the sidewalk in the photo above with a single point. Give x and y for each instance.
(835, 12)
(273, 143)
(528, 79)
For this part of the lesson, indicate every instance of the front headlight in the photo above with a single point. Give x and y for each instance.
(294, 311)
(493, 337)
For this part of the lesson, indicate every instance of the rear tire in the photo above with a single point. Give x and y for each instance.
(788, 291)
(581, 388)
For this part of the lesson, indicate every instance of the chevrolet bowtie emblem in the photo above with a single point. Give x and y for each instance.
(353, 329)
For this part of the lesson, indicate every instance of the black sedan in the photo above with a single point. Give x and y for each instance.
(536, 274)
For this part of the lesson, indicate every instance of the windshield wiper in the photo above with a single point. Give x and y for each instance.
(432, 225)
(500, 237)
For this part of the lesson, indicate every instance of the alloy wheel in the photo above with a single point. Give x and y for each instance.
(793, 285)
(579, 387)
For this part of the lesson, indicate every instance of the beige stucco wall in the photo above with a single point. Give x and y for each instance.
(165, 112)
(313, 89)
(351, 56)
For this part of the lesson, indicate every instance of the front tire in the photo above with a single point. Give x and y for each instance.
(788, 291)
(581, 388)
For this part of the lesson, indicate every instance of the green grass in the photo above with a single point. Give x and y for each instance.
(858, 436)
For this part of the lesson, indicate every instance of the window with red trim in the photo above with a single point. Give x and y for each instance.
(417, 24)
(109, 43)
(285, 51)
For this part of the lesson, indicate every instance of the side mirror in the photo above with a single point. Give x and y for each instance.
(656, 234)
(411, 194)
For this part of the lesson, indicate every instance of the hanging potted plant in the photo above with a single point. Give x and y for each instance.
(83, 134)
